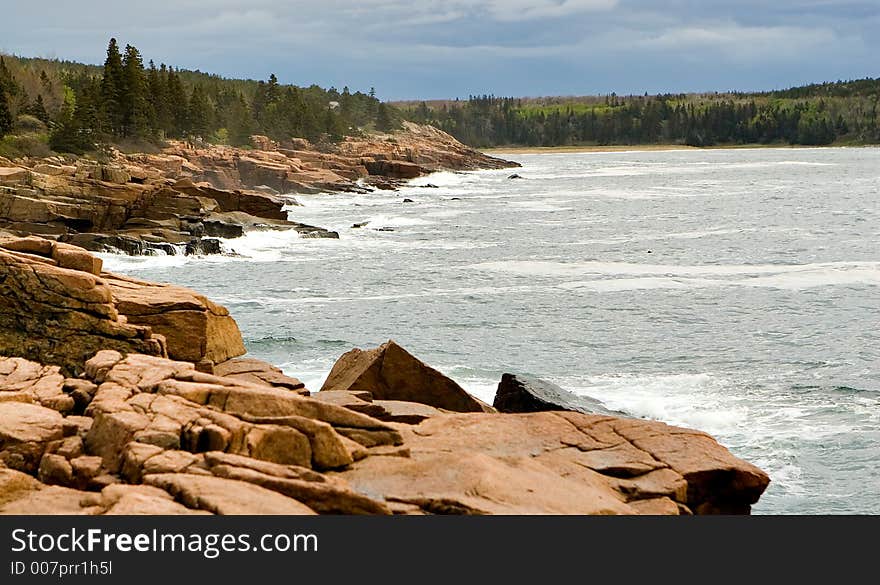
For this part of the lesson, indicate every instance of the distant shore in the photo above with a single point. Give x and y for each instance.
(647, 148)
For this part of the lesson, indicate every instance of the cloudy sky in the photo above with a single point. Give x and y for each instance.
(422, 49)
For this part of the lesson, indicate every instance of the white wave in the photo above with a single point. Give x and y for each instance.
(564, 269)
(787, 281)
(697, 234)
(649, 283)
(313, 373)
(263, 246)
(689, 400)
(254, 246)
(325, 202)
(443, 179)
(776, 163)
(480, 388)
(743, 418)
(123, 263)
(815, 278)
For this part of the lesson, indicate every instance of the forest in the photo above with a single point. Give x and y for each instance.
(819, 114)
(62, 106)
(70, 107)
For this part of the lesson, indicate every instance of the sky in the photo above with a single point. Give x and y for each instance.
(436, 49)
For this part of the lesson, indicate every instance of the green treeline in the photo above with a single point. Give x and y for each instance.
(843, 112)
(126, 101)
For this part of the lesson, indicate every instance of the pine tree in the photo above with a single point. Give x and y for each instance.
(157, 96)
(383, 118)
(72, 131)
(6, 79)
(178, 105)
(199, 113)
(240, 123)
(5, 115)
(333, 125)
(135, 115)
(112, 89)
(38, 109)
(45, 81)
(273, 93)
(8, 85)
(295, 110)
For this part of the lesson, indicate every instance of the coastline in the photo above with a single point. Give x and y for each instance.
(145, 401)
(181, 199)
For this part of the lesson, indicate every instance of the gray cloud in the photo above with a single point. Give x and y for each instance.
(440, 48)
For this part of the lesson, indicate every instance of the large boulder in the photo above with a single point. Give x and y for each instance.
(55, 310)
(395, 169)
(57, 307)
(25, 381)
(559, 463)
(255, 204)
(194, 327)
(25, 431)
(389, 372)
(521, 393)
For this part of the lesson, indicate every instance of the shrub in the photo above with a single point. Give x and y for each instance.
(25, 123)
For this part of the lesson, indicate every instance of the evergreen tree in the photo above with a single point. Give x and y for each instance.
(10, 90)
(178, 106)
(7, 81)
(383, 118)
(112, 89)
(5, 115)
(199, 114)
(45, 82)
(273, 93)
(241, 125)
(157, 92)
(71, 132)
(333, 125)
(133, 98)
(38, 109)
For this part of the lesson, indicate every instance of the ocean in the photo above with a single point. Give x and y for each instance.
(734, 291)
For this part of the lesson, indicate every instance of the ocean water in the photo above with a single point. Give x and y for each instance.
(734, 291)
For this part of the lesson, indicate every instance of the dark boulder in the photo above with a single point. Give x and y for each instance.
(222, 229)
(521, 393)
(203, 247)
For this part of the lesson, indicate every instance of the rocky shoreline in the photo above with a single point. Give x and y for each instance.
(181, 200)
(120, 396)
